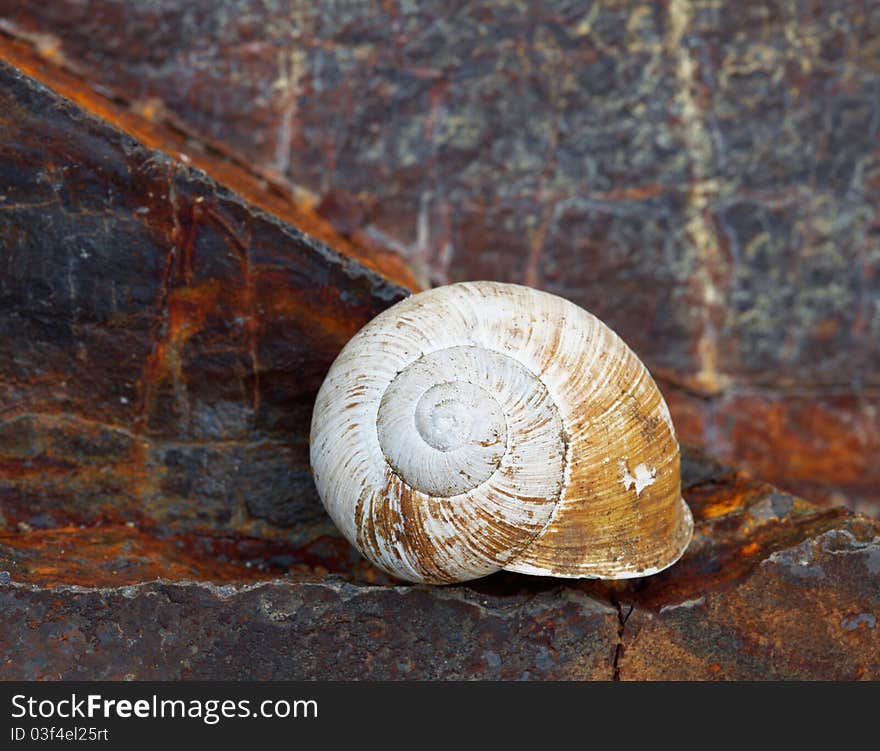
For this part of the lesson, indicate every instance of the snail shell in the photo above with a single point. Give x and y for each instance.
(485, 426)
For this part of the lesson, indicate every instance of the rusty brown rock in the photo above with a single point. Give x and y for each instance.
(807, 611)
(821, 446)
(772, 587)
(267, 191)
(161, 339)
(111, 556)
(701, 176)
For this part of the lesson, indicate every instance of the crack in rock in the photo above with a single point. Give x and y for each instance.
(622, 618)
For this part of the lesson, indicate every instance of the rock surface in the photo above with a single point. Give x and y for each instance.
(771, 587)
(161, 339)
(702, 176)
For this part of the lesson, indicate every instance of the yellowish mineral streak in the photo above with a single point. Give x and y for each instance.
(703, 187)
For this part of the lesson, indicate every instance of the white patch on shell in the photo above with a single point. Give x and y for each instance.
(640, 478)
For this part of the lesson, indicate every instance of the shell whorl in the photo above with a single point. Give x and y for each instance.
(485, 426)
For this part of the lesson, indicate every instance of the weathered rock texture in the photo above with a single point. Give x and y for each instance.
(161, 340)
(702, 176)
(772, 587)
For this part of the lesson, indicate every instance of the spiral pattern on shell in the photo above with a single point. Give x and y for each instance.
(484, 426)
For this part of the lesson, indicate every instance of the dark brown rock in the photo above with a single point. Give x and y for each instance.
(304, 631)
(771, 587)
(264, 190)
(704, 177)
(161, 339)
